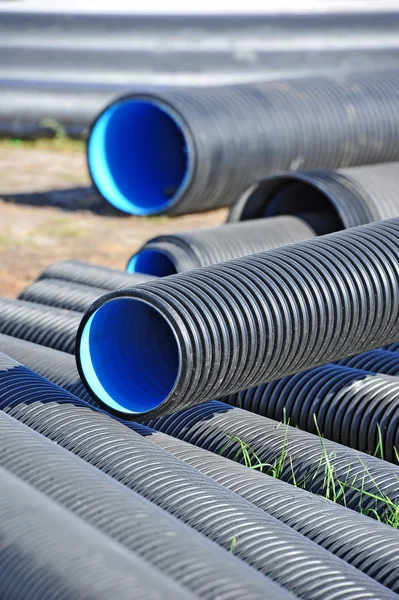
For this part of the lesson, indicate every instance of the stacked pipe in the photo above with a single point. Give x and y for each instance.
(36, 563)
(328, 200)
(261, 540)
(330, 525)
(61, 67)
(188, 150)
(350, 406)
(173, 253)
(175, 342)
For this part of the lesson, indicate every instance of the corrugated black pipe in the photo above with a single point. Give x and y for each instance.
(177, 341)
(342, 199)
(45, 549)
(376, 361)
(82, 60)
(96, 276)
(328, 524)
(318, 465)
(365, 543)
(59, 367)
(173, 253)
(198, 149)
(350, 406)
(62, 294)
(148, 531)
(225, 517)
(44, 325)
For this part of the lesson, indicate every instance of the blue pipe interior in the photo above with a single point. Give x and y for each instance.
(129, 355)
(138, 156)
(151, 262)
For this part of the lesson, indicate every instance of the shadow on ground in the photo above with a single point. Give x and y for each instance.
(71, 199)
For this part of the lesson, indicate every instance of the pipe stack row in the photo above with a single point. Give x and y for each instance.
(220, 419)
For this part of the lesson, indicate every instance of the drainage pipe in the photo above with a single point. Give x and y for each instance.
(173, 253)
(342, 199)
(62, 294)
(76, 271)
(188, 150)
(181, 340)
(44, 325)
(260, 539)
(329, 524)
(48, 552)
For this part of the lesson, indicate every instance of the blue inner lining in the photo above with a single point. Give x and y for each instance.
(151, 262)
(129, 355)
(138, 156)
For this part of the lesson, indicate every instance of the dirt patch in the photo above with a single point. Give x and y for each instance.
(33, 235)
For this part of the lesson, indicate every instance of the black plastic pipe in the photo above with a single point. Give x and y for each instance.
(96, 276)
(81, 61)
(393, 347)
(59, 367)
(45, 553)
(177, 341)
(317, 465)
(62, 294)
(44, 325)
(342, 199)
(143, 528)
(349, 535)
(225, 517)
(367, 544)
(173, 253)
(376, 361)
(350, 406)
(189, 150)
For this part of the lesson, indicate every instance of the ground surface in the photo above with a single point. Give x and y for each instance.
(48, 212)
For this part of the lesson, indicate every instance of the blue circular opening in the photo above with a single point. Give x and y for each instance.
(129, 355)
(151, 262)
(138, 156)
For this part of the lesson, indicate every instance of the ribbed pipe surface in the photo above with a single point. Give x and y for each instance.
(200, 147)
(376, 361)
(151, 533)
(350, 406)
(48, 553)
(96, 276)
(178, 341)
(62, 294)
(225, 517)
(319, 466)
(366, 544)
(59, 367)
(344, 198)
(173, 253)
(392, 347)
(44, 325)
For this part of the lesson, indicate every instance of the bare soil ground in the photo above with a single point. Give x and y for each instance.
(48, 212)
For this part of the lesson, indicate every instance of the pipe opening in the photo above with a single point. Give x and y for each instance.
(138, 156)
(303, 200)
(151, 262)
(129, 355)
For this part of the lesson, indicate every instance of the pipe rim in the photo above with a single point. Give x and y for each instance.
(124, 204)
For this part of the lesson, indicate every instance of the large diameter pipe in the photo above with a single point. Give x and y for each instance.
(181, 340)
(189, 150)
(76, 271)
(177, 252)
(353, 407)
(346, 533)
(341, 199)
(144, 529)
(49, 553)
(260, 540)
(62, 294)
(44, 325)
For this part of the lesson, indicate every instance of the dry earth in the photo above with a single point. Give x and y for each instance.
(48, 212)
